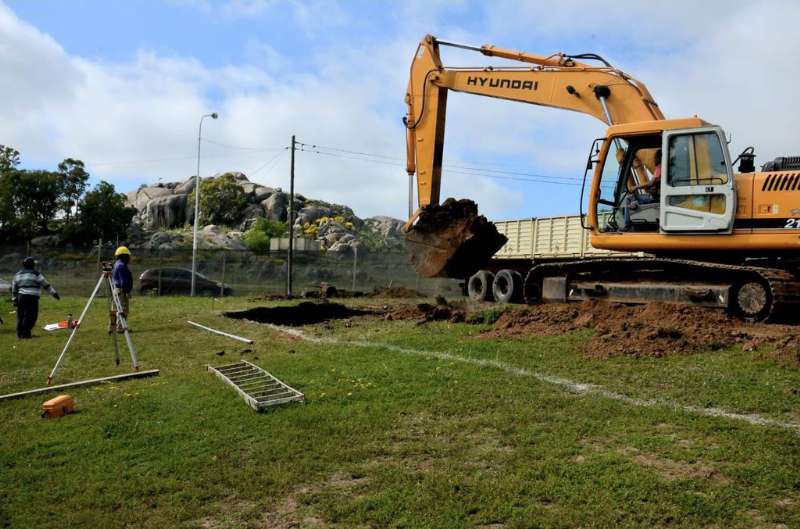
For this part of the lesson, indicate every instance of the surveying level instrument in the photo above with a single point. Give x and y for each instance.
(121, 322)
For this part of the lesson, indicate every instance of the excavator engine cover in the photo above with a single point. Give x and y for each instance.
(452, 240)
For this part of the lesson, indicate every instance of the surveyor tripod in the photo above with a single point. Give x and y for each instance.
(121, 323)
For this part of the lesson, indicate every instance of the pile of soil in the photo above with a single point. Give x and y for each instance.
(654, 330)
(425, 312)
(304, 313)
(396, 293)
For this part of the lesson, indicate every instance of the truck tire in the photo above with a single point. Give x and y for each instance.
(507, 286)
(479, 286)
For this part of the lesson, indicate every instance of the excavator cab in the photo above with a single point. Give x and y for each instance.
(671, 181)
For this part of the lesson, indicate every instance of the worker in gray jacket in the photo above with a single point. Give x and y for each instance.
(26, 289)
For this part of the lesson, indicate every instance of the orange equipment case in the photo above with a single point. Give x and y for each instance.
(58, 406)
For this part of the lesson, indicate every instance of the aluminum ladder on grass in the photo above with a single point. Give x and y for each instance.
(256, 386)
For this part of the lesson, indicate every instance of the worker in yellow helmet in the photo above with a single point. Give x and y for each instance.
(122, 279)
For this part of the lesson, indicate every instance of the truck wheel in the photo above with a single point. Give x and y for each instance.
(532, 288)
(507, 287)
(479, 286)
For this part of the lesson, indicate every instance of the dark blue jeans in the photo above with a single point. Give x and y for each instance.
(631, 201)
(27, 314)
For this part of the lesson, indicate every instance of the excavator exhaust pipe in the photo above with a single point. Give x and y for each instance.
(451, 240)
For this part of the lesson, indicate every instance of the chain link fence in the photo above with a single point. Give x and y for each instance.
(168, 272)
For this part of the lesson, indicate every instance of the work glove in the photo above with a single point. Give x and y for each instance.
(55, 295)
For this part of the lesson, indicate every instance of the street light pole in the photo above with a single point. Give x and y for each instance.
(213, 115)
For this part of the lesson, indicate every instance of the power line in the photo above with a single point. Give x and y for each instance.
(242, 148)
(312, 149)
(269, 162)
(475, 167)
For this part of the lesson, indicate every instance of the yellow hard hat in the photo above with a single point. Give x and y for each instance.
(122, 250)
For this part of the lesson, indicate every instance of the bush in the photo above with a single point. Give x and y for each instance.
(256, 241)
(222, 200)
(258, 237)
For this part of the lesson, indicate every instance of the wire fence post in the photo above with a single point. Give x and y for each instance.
(160, 268)
(222, 283)
(355, 266)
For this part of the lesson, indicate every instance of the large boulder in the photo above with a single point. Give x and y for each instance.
(161, 240)
(310, 214)
(388, 229)
(261, 193)
(276, 207)
(46, 241)
(142, 196)
(166, 211)
(250, 214)
(213, 236)
(186, 187)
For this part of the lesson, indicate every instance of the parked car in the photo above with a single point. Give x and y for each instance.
(179, 281)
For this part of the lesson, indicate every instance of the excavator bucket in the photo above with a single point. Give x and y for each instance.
(452, 240)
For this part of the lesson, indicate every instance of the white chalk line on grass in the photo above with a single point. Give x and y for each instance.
(569, 385)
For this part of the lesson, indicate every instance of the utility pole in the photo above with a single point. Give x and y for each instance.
(291, 224)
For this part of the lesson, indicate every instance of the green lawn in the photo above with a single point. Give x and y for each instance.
(388, 438)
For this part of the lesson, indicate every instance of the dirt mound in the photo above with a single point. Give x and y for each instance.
(451, 240)
(425, 312)
(396, 293)
(304, 313)
(647, 330)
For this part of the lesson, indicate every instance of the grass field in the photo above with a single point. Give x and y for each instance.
(393, 433)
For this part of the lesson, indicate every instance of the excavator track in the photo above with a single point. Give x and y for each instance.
(757, 293)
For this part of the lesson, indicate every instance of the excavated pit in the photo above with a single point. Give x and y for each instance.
(305, 313)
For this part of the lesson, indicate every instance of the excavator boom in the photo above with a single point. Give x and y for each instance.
(558, 81)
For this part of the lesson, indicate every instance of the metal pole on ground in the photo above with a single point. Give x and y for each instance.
(213, 115)
(291, 223)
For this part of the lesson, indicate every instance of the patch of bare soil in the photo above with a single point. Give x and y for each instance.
(672, 470)
(441, 310)
(655, 330)
(304, 313)
(396, 293)
(290, 513)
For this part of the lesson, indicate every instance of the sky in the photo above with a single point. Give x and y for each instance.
(122, 85)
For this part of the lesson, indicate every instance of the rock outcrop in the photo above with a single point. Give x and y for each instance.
(165, 206)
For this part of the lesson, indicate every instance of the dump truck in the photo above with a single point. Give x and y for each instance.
(533, 241)
(710, 232)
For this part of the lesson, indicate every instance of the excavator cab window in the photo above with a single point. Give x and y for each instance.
(627, 184)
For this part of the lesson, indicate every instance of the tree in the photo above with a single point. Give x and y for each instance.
(102, 213)
(35, 200)
(72, 181)
(222, 200)
(9, 158)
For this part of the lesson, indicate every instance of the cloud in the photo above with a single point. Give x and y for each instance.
(734, 66)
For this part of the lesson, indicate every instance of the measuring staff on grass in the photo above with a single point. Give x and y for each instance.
(26, 289)
(122, 280)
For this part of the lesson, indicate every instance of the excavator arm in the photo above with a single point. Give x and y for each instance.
(557, 81)
(452, 240)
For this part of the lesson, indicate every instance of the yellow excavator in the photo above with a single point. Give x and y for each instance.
(709, 235)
